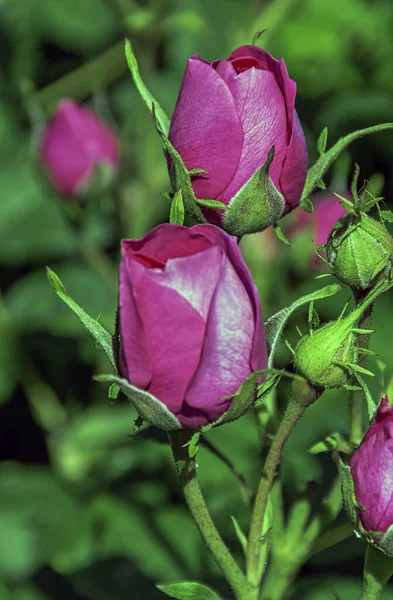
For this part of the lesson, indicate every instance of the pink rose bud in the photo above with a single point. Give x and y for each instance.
(372, 474)
(74, 145)
(229, 115)
(191, 328)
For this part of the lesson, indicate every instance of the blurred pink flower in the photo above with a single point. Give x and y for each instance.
(74, 143)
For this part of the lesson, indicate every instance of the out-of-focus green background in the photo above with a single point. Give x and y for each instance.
(87, 511)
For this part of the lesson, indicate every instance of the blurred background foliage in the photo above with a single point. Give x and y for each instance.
(87, 511)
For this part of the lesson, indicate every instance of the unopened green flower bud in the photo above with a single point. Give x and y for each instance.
(327, 355)
(360, 250)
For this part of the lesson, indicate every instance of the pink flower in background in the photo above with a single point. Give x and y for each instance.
(191, 326)
(372, 472)
(75, 142)
(228, 116)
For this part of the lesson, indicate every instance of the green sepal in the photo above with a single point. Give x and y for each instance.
(180, 176)
(332, 442)
(274, 326)
(148, 407)
(188, 591)
(193, 444)
(386, 542)
(320, 184)
(242, 400)
(176, 216)
(160, 115)
(325, 161)
(198, 172)
(257, 205)
(212, 204)
(100, 334)
(387, 215)
(281, 235)
(348, 491)
(241, 536)
(307, 205)
(322, 140)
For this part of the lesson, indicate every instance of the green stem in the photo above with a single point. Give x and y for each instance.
(80, 83)
(186, 468)
(378, 569)
(302, 396)
(356, 399)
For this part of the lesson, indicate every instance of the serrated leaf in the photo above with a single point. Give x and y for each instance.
(213, 204)
(275, 324)
(281, 235)
(387, 215)
(147, 97)
(100, 334)
(240, 535)
(176, 215)
(149, 408)
(322, 140)
(307, 205)
(188, 591)
(325, 161)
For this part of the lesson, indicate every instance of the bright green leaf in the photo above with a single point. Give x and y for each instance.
(176, 215)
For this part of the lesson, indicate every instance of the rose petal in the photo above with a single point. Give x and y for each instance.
(262, 113)
(135, 364)
(203, 140)
(225, 360)
(167, 241)
(294, 170)
(174, 333)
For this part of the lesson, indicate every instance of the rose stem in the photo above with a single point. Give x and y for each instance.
(357, 397)
(302, 395)
(186, 469)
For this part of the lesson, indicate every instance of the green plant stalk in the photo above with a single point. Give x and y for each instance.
(356, 398)
(186, 469)
(378, 568)
(302, 395)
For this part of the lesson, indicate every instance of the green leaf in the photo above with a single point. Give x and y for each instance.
(257, 205)
(213, 204)
(148, 406)
(348, 490)
(176, 215)
(387, 215)
(322, 141)
(160, 115)
(275, 325)
(188, 591)
(101, 335)
(322, 165)
(307, 205)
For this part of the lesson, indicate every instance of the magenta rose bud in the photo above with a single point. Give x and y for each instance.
(229, 115)
(74, 145)
(191, 328)
(372, 474)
